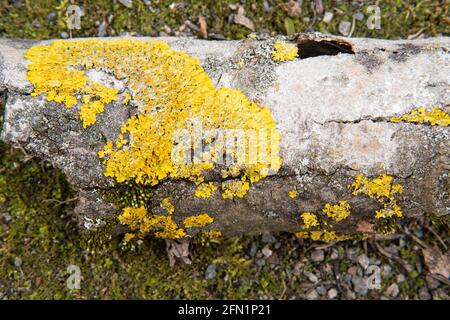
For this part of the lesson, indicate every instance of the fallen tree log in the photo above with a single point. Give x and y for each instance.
(349, 151)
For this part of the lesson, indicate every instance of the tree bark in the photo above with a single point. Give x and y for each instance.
(332, 106)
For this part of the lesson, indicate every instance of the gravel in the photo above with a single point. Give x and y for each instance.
(318, 255)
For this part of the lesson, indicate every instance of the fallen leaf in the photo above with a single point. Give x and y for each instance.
(318, 5)
(241, 19)
(178, 250)
(364, 226)
(436, 261)
(203, 27)
(292, 8)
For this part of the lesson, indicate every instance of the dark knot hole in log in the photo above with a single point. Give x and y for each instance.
(308, 48)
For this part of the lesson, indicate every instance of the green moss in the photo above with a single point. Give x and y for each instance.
(399, 18)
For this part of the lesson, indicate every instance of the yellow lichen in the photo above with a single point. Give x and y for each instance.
(199, 221)
(284, 51)
(325, 235)
(138, 219)
(212, 234)
(293, 194)
(205, 190)
(434, 117)
(381, 189)
(128, 237)
(338, 211)
(55, 71)
(309, 220)
(174, 95)
(235, 188)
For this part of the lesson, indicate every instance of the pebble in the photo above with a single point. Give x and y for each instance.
(51, 16)
(364, 261)
(344, 27)
(260, 262)
(358, 16)
(401, 278)
(266, 252)
(268, 238)
(392, 290)
(332, 293)
(311, 276)
(321, 290)
(317, 255)
(17, 262)
(210, 272)
(127, 3)
(327, 17)
(102, 29)
(386, 270)
(360, 285)
(334, 255)
(312, 295)
(253, 249)
(424, 294)
(64, 35)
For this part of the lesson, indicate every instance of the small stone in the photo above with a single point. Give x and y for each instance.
(311, 276)
(273, 259)
(17, 262)
(424, 294)
(386, 270)
(64, 35)
(51, 16)
(266, 252)
(317, 255)
(260, 262)
(392, 290)
(334, 255)
(344, 27)
(253, 249)
(321, 290)
(127, 3)
(268, 238)
(277, 245)
(358, 16)
(360, 285)
(432, 283)
(327, 17)
(364, 261)
(102, 29)
(210, 272)
(352, 270)
(401, 278)
(312, 295)
(332, 293)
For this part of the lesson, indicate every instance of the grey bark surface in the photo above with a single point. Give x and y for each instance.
(333, 113)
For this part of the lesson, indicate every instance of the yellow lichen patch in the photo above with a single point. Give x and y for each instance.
(165, 203)
(283, 51)
(309, 220)
(235, 188)
(128, 237)
(293, 194)
(338, 211)
(205, 190)
(56, 71)
(434, 117)
(138, 219)
(198, 221)
(174, 96)
(325, 235)
(212, 234)
(381, 189)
